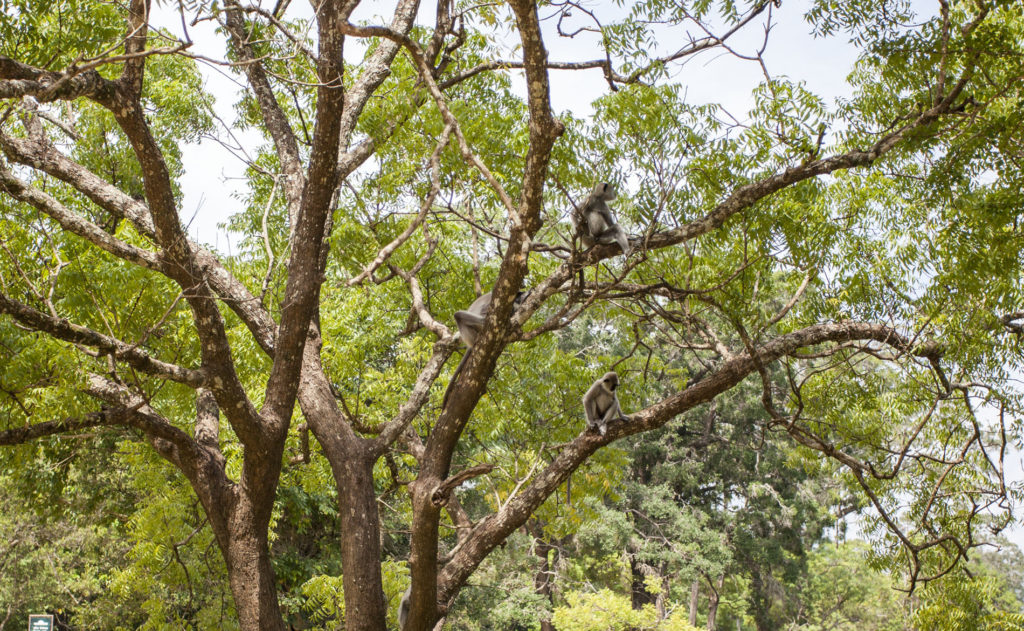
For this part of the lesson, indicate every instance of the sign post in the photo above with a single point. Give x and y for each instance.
(40, 622)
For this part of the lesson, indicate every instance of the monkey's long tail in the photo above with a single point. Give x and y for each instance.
(455, 375)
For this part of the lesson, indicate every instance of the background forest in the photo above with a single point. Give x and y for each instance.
(817, 330)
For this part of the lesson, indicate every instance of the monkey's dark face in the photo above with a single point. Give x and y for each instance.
(611, 381)
(605, 191)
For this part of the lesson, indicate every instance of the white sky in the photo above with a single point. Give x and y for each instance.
(214, 175)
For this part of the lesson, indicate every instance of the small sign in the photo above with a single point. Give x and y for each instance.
(40, 622)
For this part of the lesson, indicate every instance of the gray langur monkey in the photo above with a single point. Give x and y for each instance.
(403, 608)
(601, 404)
(470, 321)
(594, 221)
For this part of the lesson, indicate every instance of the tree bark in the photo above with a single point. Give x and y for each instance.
(253, 585)
(351, 459)
(694, 597)
(543, 580)
(365, 607)
(713, 598)
(639, 594)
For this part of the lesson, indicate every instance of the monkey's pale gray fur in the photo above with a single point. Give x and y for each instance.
(594, 221)
(470, 321)
(403, 608)
(601, 403)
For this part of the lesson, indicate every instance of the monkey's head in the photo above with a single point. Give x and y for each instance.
(610, 381)
(605, 190)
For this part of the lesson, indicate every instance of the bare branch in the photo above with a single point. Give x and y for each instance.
(419, 396)
(435, 185)
(273, 116)
(443, 491)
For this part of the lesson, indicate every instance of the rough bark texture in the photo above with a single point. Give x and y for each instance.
(713, 598)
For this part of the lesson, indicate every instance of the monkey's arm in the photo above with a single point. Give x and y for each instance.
(589, 406)
(597, 222)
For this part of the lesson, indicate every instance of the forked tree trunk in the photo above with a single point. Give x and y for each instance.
(239, 515)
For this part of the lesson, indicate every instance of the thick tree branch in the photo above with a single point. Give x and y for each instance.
(375, 69)
(443, 491)
(45, 157)
(102, 418)
(207, 419)
(495, 528)
(743, 198)
(119, 350)
(75, 224)
(202, 463)
(181, 266)
(302, 291)
(18, 80)
(41, 155)
(135, 45)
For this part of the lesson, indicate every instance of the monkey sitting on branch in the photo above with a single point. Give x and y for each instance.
(594, 222)
(470, 322)
(601, 403)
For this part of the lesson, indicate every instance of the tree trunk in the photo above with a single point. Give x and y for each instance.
(714, 597)
(423, 610)
(239, 515)
(365, 607)
(760, 603)
(543, 580)
(351, 461)
(694, 595)
(252, 579)
(662, 599)
(640, 596)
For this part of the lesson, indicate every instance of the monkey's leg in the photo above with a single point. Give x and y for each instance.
(616, 234)
(612, 414)
(622, 239)
(469, 326)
